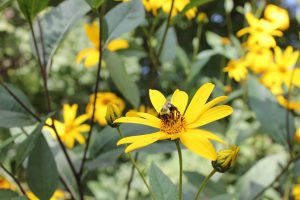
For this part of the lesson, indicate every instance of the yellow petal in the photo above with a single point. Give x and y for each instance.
(180, 99)
(198, 101)
(138, 145)
(201, 146)
(117, 44)
(92, 31)
(138, 138)
(79, 138)
(157, 99)
(82, 55)
(211, 115)
(69, 142)
(80, 119)
(137, 120)
(204, 134)
(92, 58)
(149, 117)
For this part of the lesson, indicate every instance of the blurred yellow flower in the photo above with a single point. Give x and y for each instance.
(58, 195)
(237, 69)
(202, 17)
(281, 71)
(103, 100)
(297, 138)
(72, 127)
(226, 159)
(259, 59)
(261, 32)
(179, 121)
(278, 16)
(91, 55)
(5, 184)
(142, 108)
(296, 191)
(291, 105)
(165, 5)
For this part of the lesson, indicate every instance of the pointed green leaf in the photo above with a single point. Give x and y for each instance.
(95, 4)
(30, 8)
(161, 185)
(42, 174)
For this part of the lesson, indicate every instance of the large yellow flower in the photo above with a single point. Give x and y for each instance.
(259, 59)
(58, 195)
(281, 70)
(165, 5)
(237, 69)
(176, 120)
(278, 16)
(5, 184)
(91, 55)
(103, 100)
(72, 127)
(261, 32)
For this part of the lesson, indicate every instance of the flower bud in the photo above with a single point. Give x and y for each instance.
(225, 159)
(202, 17)
(113, 112)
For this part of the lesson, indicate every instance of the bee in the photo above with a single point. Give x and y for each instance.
(167, 110)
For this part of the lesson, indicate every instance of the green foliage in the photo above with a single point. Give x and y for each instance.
(95, 4)
(121, 79)
(7, 194)
(42, 174)
(161, 185)
(30, 8)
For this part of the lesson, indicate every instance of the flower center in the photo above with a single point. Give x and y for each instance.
(172, 122)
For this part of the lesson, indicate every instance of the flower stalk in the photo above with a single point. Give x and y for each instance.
(180, 168)
(203, 184)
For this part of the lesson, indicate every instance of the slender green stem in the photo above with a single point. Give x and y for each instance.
(229, 24)
(180, 168)
(203, 184)
(198, 36)
(131, 177)
(166, 30)
(137, 168)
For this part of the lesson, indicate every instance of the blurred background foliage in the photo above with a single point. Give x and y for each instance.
(258, 124)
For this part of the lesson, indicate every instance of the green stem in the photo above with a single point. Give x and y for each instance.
(203, 184)
(180, 168)
(137, 168)
(198, 36)
(166, 30)
(229, 24)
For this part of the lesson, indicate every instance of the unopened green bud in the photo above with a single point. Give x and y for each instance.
(113, 112)
(225, 159)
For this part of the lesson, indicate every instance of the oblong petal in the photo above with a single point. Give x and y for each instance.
(92, 58)
(198, 101)
(149, 117)
(157, 99)
(198, 112)
(137, 138)
(201, 146)
(117, 44)
(82, 55)
(206, 134)
(80, 119)
(180, 99)
(137, 120)
(211, 115)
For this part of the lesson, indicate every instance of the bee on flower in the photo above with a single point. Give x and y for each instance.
(177, 120)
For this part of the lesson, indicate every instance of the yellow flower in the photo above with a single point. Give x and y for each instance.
(278, 16)
(72, 127)
(142, 108)
(237, 69)
(103, 100)
(291, 105)
(281, 71)
(297, 138)
(178, 120)
(225, 159)
(225, 41)
(261, 32)
(202, 17)
(296, 191)
(5, 184)
(165, 5)
(259, 59)
(91, 55)
(58, 195)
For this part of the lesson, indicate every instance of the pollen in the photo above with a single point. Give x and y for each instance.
(172, 122)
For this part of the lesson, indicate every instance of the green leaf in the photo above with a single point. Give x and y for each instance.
(10, 119)
(259, 176)
(42, 174)
(7, 194)
(124, 18)
(27, 145)
(57, 23)
(161, 185)
(192, 4)
(95, 4)
(170, 43)
(105, 159)
(30, 8)
(122, 80)
(270, 114)
(9, 140)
